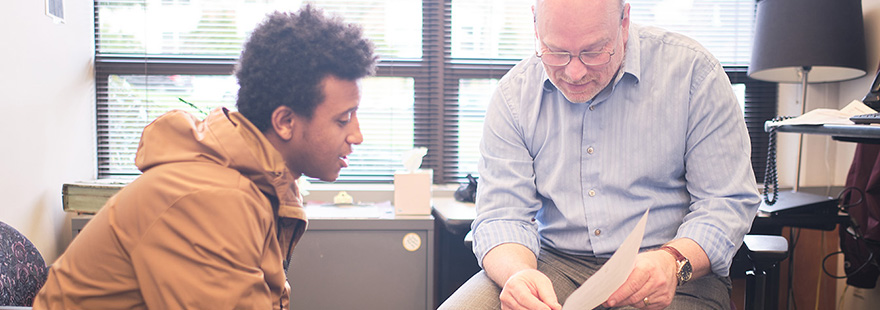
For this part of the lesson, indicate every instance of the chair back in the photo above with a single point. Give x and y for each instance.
(22, 269)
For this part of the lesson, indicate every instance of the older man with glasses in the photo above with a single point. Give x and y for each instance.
(607, 120)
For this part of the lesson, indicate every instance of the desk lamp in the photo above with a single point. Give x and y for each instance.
(808, 41)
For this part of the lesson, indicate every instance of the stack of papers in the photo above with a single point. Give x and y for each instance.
(382, 210)
(828, 116)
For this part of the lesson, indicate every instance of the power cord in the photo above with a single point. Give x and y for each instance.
(870, 257)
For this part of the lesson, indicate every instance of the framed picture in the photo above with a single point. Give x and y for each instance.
(55, 9)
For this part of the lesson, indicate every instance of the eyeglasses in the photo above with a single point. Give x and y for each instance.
(560, 59)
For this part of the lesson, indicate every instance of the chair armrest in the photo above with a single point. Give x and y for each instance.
(766, 248)
(469, 239)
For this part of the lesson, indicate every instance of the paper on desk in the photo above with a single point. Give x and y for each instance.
(372, 211)
(828, 116)
(611, 276)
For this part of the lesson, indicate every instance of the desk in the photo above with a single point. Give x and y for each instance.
(454, 216)
(811, 249)
(456, 262)
(825, 220)
(846, 133)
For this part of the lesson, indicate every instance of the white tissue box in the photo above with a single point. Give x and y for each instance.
(412, 192)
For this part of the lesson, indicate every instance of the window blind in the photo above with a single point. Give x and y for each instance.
(439, 63)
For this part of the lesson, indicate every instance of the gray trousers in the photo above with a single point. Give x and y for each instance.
(567, 272)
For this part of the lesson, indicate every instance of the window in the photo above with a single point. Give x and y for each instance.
(439, 62)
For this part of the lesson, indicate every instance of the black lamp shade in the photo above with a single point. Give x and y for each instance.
(826, 35)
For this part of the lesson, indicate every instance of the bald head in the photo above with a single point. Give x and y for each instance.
(621, 2)
(576, 13)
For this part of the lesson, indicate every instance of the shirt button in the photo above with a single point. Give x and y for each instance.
(590, 150)
(592, 193)
(592, 108)
(597, 232)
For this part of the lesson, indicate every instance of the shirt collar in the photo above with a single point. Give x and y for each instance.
(632, 64)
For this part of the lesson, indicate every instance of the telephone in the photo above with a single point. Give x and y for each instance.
(771, 181)
(872, 98)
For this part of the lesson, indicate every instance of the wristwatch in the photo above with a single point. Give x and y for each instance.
(684, 265)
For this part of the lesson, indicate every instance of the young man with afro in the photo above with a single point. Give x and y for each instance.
(213, 220)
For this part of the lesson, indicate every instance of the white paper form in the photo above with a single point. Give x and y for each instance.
(382, 210)
(611, 276)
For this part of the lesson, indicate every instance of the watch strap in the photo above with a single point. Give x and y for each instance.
(675, 253)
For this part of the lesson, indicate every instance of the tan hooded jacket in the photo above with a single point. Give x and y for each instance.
(209, 225)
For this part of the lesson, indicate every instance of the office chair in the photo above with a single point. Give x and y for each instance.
(22, 269)
(764, 252)
(761, 253)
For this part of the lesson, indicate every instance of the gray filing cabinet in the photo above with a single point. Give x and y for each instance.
(365, 263)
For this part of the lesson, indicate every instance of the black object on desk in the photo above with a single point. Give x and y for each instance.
(872, 98)
(791, 203)
(801, 210)
(870, 118)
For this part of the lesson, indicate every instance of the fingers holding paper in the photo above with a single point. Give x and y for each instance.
(529, 289)
(651, 285)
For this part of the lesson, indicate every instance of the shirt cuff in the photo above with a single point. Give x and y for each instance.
(718, 247)
(488, 235)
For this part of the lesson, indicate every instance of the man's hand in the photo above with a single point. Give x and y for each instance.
(651, 285)
(529, 289)
(515, 269)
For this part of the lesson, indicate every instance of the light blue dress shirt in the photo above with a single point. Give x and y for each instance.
(669, 136)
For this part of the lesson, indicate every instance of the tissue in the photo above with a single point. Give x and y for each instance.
(412, 187)
(412, 159)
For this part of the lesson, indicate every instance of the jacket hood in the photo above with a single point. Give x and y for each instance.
(224, 138)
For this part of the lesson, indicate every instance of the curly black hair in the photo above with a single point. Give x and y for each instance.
(288, 56)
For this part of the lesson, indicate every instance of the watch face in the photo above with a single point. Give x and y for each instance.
(685, 272)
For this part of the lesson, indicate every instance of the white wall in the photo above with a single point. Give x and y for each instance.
(47, 127)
